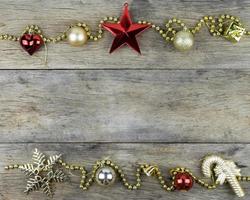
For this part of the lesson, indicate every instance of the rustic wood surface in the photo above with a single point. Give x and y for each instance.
(125, 106)
(164, 107)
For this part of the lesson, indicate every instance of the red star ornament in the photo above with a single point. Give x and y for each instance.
(125, 32)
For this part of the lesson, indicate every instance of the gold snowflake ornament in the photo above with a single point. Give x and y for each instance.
(42, 173)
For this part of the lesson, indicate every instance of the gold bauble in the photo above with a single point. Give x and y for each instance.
(105, 176)
(183, 40)
(77, 36)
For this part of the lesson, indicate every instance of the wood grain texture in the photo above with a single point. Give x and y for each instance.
(125, 106)
(54, 16)
(163, 107)
(167, 156)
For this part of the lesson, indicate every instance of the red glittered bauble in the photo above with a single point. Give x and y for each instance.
(31, 42)
(183, 181)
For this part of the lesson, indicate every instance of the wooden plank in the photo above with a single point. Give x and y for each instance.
(125, 106)
(55, 16)
(167, 156)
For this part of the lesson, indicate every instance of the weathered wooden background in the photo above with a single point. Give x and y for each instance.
(163, 107)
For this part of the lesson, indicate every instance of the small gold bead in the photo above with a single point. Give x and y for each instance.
(197, 28)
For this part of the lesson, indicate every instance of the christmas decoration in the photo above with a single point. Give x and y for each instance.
(125, 32)
(41, 173)
(105, 172)
(31, 42)
(183, 181)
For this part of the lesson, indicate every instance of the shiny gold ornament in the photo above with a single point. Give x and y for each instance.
(105, 176)
(183, 40)
(77, 36)
(150, 170)
(234, 32)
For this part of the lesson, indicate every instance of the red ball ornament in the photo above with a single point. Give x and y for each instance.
(183, 181)
(31, 42)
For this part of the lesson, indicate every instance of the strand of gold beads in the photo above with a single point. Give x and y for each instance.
(175, 31)
(44, 170)
(87, 179)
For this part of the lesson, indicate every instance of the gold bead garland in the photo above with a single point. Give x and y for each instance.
(175, 31)
(45, 169)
